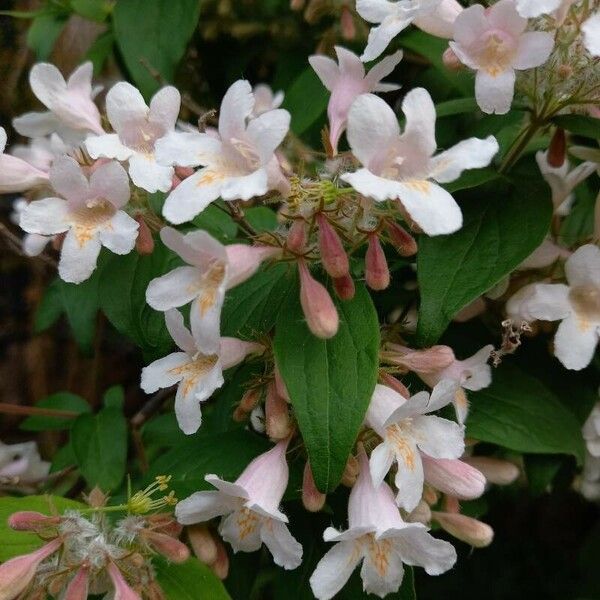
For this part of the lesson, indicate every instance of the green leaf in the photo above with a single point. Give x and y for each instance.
(502, 226)
(306, 99)
(100, 447)
(218, 223)
(100, 50)
(94, 10)
(156, 33)
(50, 308)
(16, 543)
(472, 178)
(579, 125)
(43, 33)
(519, 413)
(262, 218)
(458, 106)
(330, 382)
(114, 397)
(189, 581)
(59, 401)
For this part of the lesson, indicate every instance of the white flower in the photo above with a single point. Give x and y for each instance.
(250, 508)
(22, 461)
(494, 43)
(238, 163)
(137, 130)
(591, 34)
(591, 431)
(346, 80)
(212, 269)
(265, 100)
(40, 151)
(71, 109)
(197, 373)
(590, 485)
(379, 538)
(407, 430)
(402, 166)
(16, 175)
(534, 8)
(89, 211)
(576, 305)
(33, 244)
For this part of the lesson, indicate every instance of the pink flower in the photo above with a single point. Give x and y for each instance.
(379, 538)
(122, 589)
(265, 100)
(250, 508)
(16, 175)
(346, 81)
(454, 477)
(318, 307)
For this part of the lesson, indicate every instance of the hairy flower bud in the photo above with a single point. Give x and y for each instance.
(203, 543)
(466, 529)
(221, 565)
(78, 587)
(166, 545)
(312, 499)
(31, 521)
(122, 589)
(429, 360)
(557, 150)
(403, 241)
(392, 382)
(320, 312)
(351, 471)
(333, 256)
(165, 523)
(144, 242)
(296, 237)
(344, 287)
(453, 477)
(277, 418)
(377, 274)
(496, 470)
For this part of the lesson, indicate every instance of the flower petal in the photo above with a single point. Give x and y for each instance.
(381, 36)
(245, 187)
(286, 551)
(110, 181)
(242, 531)
(108, 145)
(125, 106)
(473, 153)
(47, 217)
(382, 571)
(334, 570)
(267, 131)
(494, 94)
(534, 8)
(419, 133)
(549, 302)
(162, 373)
(146, 173)
(420, 549)
(583, 266)
(439, 438)
(120, 233)
(68, 180)
(504, 16)
(236, 107)
(534, 49)
(164, 108)
(187, 149)
(174, 289)
(78, 259)
(380, 463)
(409, 476)
(575, 342)
(179, 332)
(201, 507)
(591, 34)
(326, 69)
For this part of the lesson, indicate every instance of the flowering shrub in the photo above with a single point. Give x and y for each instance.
(357, 307)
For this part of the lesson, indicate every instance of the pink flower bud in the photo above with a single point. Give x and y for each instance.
(122, 589)
(333, 255)
(312, 498)
(245, 260)
(453, 477)
(429, 360)
(175, 181)
(165, 523)
(184, 172)
(496, 470)
(557, 150)
(451, 61)
(31, 521)
(144, 242)
(16, 574)
(166, 545)
(221, 565)
(347, 24)
(296, 238)
(344, 287)
(466, 529)
(203, 543)
(78, 588)
(404, 243)
(377, 274)
(280, 385)
(351, 471)
(250, 399)
(421, 514)
(320, 312)
(277, 418)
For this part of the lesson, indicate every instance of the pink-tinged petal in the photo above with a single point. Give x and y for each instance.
(534, 8)
(164, 372)
(409, 476)
(381, 70)
(125, 106)
(36, 124)
(384, 402)
(494, 94)
(34, 244)
(380, 463)
(534, 49)
(16, 175)
(78, 587)
(242, 531)
(583, 266)
(575, 342)
(476, 373)
(197, 248)
(68, 180)
(267, 131)
(187, 406)
(375, 11)
(78, 259)
(473, 153)
(174, 289)
(334, 570)
(164, 108)
(418, 137)
(236, 107)
(549, 302)
(591, 34)
(380, 578)
(80, 80)
(441, 21)
(453, 477)
(231, 491)
(418, 404)
(3, 139)
(108, 145)
(187, 149)
(234, 351)
(201, 507)
(179, 332)
(430, 206)
(193, 195)
(245, 260)
(443, 393)
(146, 173)
(381, 36)
(420, 549)
(470, 24)
(205, 319)
(47, 217)
(544, 255)
(286, 551)
(349, 63)
(464, 56)
(122, 589)
(246, 187)
(439, 438)
(326, 68)
(119, 234)
(110, 181)
(504, 16)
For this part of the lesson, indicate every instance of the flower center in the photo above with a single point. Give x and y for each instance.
(397, 435)
(196, 369)
(141, 136)
(496, 50)
(247, 521)
(585, 299)
(87, 219)
(379, 551)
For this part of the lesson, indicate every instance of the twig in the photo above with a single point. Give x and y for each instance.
(16, 409)
(152, 406)
(14, 243)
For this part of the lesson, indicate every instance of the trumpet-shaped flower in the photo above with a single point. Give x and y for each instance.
(379, 538)
(494, 43)
(576, 305)
(17, 175)
(196, 373)
(238, 163)
(138, 128)
(250, 508)
(212, 269)
(407, 430)
(402, 166)
(71, 109)
(346, 80)
(88, 211)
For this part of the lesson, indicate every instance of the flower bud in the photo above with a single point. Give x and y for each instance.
(453, 477)
(78, 588)
(451, 61)
(344, 287)
(320, 312)
(31, 521)
(144, 242)
(421, 514)
(221, 565)
(333, 256)
(429, 360)
(350, 471)
(312, 498)
(165, 523)
(122, 589)
(377, 274)
(430, 495)
(557, 150)
(403, 241)
(154, 591)
(392, 382)
(347, 25)
(166, 545)
(280, 385)
(203, 543)
(296, 237)
(496, 470)
(466, 529)
(277, 418)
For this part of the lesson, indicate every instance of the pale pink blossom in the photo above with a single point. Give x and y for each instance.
(467, 529)
(33, 244)
(17, 175)
(495, 470)
(534, 8)
(238, 163)
(408, 431)
(454, 477)
(319, 310)
(122, 590)
(402, 166)
(591, 34)
(265, 100)
(590, 484)
(88, 211)
(196, 372)
(250, 508)
(379, 538)
(22, 461)
(138, 128)
(346, 80)
(494, 43)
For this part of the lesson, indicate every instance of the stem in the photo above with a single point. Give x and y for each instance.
(520, 144)
(15, 409)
